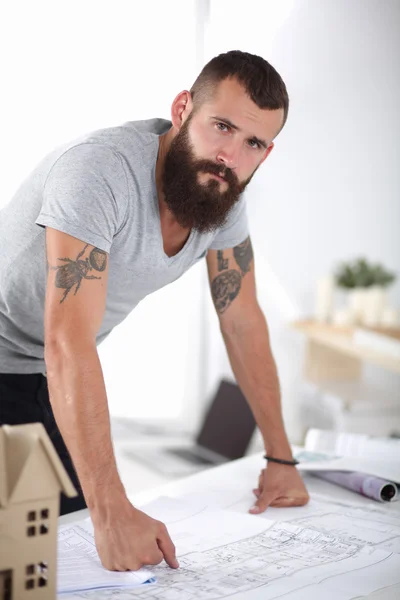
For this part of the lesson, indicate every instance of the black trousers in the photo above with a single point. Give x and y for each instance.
(25, 399)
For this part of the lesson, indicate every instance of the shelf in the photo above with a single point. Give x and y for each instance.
(339, 341)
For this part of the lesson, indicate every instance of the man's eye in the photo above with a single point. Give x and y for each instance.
(220, 125)
(256, 144)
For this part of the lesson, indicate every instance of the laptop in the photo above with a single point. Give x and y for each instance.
(224, 435)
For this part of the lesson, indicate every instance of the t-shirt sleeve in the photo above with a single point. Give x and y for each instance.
(235, 230)
(85, 195)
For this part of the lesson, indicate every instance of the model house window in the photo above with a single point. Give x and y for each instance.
(43, 566)
(33, 516)
(40, 570)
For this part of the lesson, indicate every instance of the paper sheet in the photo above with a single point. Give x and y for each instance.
(226, 554)
(310, 461)
(79, 566)
(355, 445)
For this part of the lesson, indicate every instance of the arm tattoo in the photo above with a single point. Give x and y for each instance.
(75, 270)
(222, 262)
(225, 288)
(243, 254)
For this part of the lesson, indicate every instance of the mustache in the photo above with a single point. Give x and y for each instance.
(215, 169)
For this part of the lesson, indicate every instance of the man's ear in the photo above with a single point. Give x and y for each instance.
(181, 108)
(267, 152)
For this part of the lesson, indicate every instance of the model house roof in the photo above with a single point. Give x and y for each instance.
(30, 468)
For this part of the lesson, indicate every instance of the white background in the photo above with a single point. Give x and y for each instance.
(328, 192)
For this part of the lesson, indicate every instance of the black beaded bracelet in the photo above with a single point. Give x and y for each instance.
(282, 461)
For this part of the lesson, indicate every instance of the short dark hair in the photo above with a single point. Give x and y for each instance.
(261, 81)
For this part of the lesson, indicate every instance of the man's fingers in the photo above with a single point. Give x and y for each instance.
(289, 501)
(168, 549)
(154, 558)
(262, 503)
(258, 491)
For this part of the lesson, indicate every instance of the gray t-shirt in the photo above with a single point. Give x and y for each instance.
(100, 189)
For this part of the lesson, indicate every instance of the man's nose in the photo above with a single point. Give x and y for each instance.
(229, 156)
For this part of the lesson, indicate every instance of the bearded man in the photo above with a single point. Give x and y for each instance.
(107, 219)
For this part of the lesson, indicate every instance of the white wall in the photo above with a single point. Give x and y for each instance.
(71, 67)
(330, 189)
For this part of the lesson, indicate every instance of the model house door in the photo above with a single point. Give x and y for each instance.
(6, 584)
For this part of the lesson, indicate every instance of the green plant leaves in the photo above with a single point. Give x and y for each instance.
(361, 273)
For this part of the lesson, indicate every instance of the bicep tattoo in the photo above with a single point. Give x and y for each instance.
(243, 254)
(74, 271)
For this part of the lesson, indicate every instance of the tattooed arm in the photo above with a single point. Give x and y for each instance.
(74, 309)
(125, 537)
(245, 333)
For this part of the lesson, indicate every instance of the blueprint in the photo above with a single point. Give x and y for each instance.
(367, 524)
(223, 554)
(359, 524)
(376, 488)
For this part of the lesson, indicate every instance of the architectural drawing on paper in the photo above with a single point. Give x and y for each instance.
(285, 554)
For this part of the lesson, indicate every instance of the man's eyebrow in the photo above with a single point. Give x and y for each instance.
(254, 138)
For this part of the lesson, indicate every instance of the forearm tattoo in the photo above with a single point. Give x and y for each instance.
(75, 270)
(226, 287)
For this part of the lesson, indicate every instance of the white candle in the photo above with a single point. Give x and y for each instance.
(324, 299)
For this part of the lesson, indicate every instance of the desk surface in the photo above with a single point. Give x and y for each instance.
(246, 470)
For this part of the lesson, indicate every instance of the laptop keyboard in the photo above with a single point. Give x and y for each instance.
(189, 455)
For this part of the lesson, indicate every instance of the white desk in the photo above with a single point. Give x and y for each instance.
(246, 470)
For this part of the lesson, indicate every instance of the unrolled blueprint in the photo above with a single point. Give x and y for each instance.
(224, 554)
(367, 524)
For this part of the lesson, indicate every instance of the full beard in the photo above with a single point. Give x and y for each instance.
(200, 206)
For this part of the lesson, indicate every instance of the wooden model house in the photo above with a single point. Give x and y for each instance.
(31, 478)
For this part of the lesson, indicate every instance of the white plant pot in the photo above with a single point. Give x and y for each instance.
(357, 302)
(390, 317)
(375, 304)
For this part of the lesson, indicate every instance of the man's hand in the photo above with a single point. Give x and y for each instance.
(127, 539)
(279, 485)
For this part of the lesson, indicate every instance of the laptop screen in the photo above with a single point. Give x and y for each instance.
(229, 423)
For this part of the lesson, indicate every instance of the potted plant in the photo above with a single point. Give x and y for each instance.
(366, 284)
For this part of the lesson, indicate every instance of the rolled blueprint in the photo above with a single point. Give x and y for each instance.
(366, 485)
